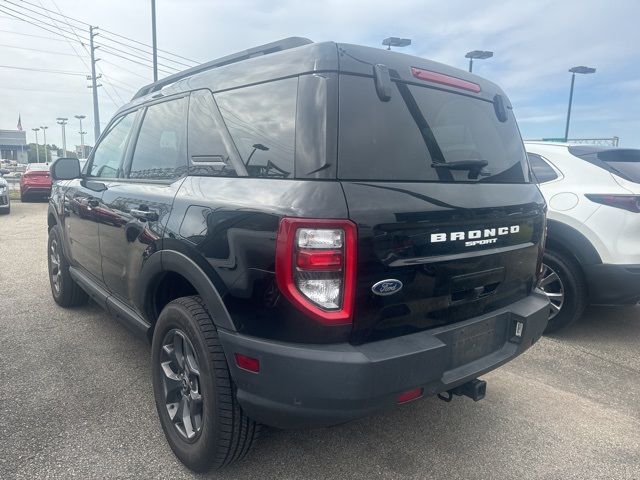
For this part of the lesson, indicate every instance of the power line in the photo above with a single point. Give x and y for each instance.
(85, 49)
(72, 27)
(37, 50)
(46, 70)
(110, 32)
(36, 20)
(108, 49)
(83, 41)
(30, 34)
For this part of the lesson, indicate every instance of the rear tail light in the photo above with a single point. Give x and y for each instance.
(315, 267)
(626, 202)
(443, 79)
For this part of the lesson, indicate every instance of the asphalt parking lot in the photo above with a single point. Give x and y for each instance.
(77, 401)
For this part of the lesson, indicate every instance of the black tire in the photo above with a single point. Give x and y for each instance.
(23, 198)
(6, 212)
(225, 433)
(66, 292)
(571, 281)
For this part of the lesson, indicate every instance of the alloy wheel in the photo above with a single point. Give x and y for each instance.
(551, 284)
(54, 261)
(181, 384)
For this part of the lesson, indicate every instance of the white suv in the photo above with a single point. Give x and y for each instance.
(593, 246)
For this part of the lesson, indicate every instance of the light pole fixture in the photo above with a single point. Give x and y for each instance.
(396, 42)
(44, 132)
(583, 70)
(478, 55)
(81, 132)
(37, 146)
(62, 121)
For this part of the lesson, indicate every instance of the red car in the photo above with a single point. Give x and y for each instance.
(36, 181)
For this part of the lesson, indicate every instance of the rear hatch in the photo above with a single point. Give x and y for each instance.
(622, 163)
(436, 179)
(39, 177)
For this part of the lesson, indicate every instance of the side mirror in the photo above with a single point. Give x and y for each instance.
(65, 169)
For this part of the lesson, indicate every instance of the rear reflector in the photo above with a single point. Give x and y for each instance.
(247, 363)
(443, 79)
(319, 259)
(409, 395)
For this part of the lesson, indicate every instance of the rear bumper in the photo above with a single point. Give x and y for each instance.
(613, 284)
(314, 385)
(35, 190)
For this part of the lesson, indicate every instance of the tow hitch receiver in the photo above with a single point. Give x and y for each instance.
(475, 389)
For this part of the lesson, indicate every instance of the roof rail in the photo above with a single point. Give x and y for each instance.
(277, 46)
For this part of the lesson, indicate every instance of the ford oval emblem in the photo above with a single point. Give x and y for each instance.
(387, 287)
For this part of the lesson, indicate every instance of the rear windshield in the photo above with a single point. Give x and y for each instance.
(409, 137)
(624, 162)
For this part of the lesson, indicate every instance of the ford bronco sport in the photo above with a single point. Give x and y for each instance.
(307, 233)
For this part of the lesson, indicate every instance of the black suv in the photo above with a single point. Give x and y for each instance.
(307, 233)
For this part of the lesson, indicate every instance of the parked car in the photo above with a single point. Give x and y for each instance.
(5, 201)
(307, 233)
(593, 249)
(35, 182)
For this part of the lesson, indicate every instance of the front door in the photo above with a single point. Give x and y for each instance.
(83, 196)
(140, 201)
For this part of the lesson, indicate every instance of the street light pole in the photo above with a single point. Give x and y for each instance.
(81, 132)
(62, 121)
(44, 132)
(479, 54)
(574, 70)
(37, 146)
(396, 42)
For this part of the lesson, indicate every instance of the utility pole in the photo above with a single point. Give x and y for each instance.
(62, 121)
(82, 133)
(154, 42)
(37, 146)
(44, 132)
(94, 85)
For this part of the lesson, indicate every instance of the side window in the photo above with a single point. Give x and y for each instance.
(261, 120)
(160, 152)
(109, 153)
(210, 146)
(541, 170)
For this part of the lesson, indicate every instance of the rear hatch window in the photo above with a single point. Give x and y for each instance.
(419, 130)
(624, 162)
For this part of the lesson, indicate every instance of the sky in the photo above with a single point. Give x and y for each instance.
(534, 45)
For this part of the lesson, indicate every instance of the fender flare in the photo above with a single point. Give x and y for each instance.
(573, 242)
(164, 261)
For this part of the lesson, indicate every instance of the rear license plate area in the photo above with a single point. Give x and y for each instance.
(478, 340)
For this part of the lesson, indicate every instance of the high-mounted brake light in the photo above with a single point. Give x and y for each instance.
(626, 202)
(315, 267)
(443, 79)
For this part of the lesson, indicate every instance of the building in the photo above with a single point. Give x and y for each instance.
(13, 145)
(80, 153)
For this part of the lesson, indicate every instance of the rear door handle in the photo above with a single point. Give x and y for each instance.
(145, 215)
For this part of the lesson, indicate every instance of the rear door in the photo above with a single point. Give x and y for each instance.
(462, 240)
(136, 206)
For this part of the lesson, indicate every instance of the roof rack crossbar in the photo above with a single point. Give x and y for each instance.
(277, 46)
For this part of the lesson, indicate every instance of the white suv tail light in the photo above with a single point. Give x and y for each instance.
(315, 267)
